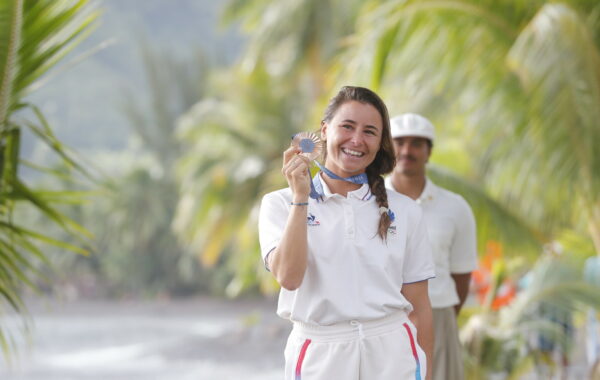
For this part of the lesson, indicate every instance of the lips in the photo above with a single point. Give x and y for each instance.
(352, 153)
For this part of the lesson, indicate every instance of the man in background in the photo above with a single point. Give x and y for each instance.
(451, 228)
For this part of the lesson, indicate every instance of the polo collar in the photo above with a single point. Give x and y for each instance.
(363, 192)
(429, 192)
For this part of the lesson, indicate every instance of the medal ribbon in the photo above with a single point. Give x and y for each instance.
(316, 187)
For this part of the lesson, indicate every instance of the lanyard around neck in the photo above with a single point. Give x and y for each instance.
(316, 187)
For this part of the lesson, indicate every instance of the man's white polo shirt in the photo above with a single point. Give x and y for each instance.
(351, 274)
(451, 228)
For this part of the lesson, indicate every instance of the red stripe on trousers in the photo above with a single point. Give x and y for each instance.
(414, 351)
(301, 359)
(412, 341)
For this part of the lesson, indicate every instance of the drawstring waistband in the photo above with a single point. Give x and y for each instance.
(350, 330)
(361, 333)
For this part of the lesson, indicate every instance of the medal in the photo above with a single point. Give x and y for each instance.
(309, 143)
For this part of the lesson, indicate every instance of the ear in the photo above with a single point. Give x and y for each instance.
(323, 130)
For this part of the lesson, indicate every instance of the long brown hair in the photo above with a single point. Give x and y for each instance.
(384, 159)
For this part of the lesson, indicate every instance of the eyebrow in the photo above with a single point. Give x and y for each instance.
(354, 122)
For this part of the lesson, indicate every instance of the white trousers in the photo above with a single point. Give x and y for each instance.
(382, 349)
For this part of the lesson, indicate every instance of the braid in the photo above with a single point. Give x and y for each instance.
(378, 189)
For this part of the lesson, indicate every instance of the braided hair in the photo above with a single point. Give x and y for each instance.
(384, 159)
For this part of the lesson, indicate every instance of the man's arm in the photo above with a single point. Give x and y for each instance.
(422, 317)
(462, 282)
(463, 252)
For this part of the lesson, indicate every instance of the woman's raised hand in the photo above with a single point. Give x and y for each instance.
(295, 170)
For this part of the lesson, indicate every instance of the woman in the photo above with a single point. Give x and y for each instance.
(352, 260)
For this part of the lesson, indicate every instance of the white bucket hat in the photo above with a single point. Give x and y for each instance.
(411, 124)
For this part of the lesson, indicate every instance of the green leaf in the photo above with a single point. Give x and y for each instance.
(10, 40)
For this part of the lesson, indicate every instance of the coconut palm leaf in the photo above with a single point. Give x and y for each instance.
(521, 80)
(494, 221)
(11, 19)
(295, 36)
(559, 66)
(34, 36)
(234, 147)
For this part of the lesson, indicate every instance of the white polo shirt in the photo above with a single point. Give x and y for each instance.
(451, 228)
(351, 273)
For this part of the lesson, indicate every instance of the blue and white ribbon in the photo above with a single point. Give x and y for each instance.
(316, 187)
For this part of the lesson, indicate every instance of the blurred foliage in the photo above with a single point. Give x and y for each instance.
(510, 340)
(137, 253)
(230, 163)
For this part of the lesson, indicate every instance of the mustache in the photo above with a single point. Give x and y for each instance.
(407, 157)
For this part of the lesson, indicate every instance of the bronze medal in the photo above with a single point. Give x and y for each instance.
(309, 143)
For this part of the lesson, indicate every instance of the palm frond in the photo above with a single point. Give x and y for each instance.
(34, 35)
(494, 221)
(557, 59)
(10, 40)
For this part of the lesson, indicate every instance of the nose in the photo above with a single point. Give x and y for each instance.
(404, 149)
(357, 138)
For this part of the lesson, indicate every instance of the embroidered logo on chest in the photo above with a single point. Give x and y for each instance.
(392, 229)
(311, 220)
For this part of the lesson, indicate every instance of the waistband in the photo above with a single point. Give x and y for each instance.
(353, 329)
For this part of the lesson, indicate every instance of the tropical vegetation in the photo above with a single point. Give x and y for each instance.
(34, 37)
(513, 87)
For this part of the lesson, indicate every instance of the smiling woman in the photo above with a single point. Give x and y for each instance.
(353, 261)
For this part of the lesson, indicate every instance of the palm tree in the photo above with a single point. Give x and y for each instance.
(34, 36)
(518, 80)
(141, 254)
(292, 37)
(234, 145)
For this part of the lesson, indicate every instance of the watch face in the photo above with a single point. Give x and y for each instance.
(309, 143)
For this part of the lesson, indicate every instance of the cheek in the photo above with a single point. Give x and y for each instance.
(375, 146)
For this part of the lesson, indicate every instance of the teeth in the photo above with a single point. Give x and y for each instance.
(353, 152)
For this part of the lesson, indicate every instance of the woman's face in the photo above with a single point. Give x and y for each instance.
(353, 138)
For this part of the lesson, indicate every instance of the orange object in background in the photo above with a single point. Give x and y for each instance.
(506, 293)
(481, 278)
(480, 283)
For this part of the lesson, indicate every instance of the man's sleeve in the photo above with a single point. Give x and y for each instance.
(463, 252)
(418, 263)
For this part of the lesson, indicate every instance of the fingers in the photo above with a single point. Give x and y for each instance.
(295, 169)
(289, 153)
(295, 164)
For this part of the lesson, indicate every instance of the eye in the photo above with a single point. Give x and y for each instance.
(347, 126)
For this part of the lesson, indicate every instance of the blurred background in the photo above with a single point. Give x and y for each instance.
(138, 137)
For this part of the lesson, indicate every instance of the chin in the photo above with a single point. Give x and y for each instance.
(408, 172)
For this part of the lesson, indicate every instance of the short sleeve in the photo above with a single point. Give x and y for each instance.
(272, 220)
(418, 262)
(463, 252)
